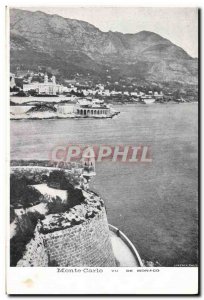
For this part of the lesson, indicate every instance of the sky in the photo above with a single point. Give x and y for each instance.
(179, 25)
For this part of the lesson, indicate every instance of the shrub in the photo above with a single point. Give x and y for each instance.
(14, 89)
(21, 193)
(32, 92)
(21, 94)
(57, 206)
(75, 197)
(25, 232)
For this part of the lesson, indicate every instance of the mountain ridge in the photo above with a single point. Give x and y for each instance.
(70, 46)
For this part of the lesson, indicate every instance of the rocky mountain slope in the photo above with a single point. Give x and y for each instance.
(69, 46)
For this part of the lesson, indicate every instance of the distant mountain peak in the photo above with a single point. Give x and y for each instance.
(70, 45)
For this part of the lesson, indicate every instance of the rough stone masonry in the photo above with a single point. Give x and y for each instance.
(87, 244)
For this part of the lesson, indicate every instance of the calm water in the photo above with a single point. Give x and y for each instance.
(154, 204)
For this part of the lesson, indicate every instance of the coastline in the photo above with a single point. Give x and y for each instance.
(63, 117)
(56, 116)
(52, 115)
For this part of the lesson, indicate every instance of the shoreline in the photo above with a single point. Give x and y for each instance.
(61, 117)
(72, 116)
(64, 118)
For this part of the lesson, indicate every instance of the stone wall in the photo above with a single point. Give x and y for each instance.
(76, 238)
(35, 254)
(86, 244)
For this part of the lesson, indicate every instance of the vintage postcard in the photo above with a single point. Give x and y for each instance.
(104, 110)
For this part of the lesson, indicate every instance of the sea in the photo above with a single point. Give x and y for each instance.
(156, 203)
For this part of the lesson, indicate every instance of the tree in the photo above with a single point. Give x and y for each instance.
(14, 89)
(21, 193)
(32, 92)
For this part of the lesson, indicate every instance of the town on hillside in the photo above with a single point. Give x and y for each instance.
(27, 83)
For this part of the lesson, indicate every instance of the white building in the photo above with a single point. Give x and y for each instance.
(115, 93)
(106, 92)
(158, 95)
(134, 94)
(12, 80)
(85, 92)
(100, 86)
(46, 87)
(92, 108)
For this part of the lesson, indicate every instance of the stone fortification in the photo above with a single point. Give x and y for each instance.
(79, 237)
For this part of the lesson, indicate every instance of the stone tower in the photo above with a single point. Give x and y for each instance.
(78, 237)
(29, 79)
(88, 162)
(46, 78)
(53, 79)
(84, 245)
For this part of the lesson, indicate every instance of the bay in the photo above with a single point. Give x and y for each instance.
(155, 204)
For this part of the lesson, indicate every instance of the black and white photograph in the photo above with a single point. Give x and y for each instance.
(104, 145)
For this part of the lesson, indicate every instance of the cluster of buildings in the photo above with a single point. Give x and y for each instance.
(49, 86)
(100, 90)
